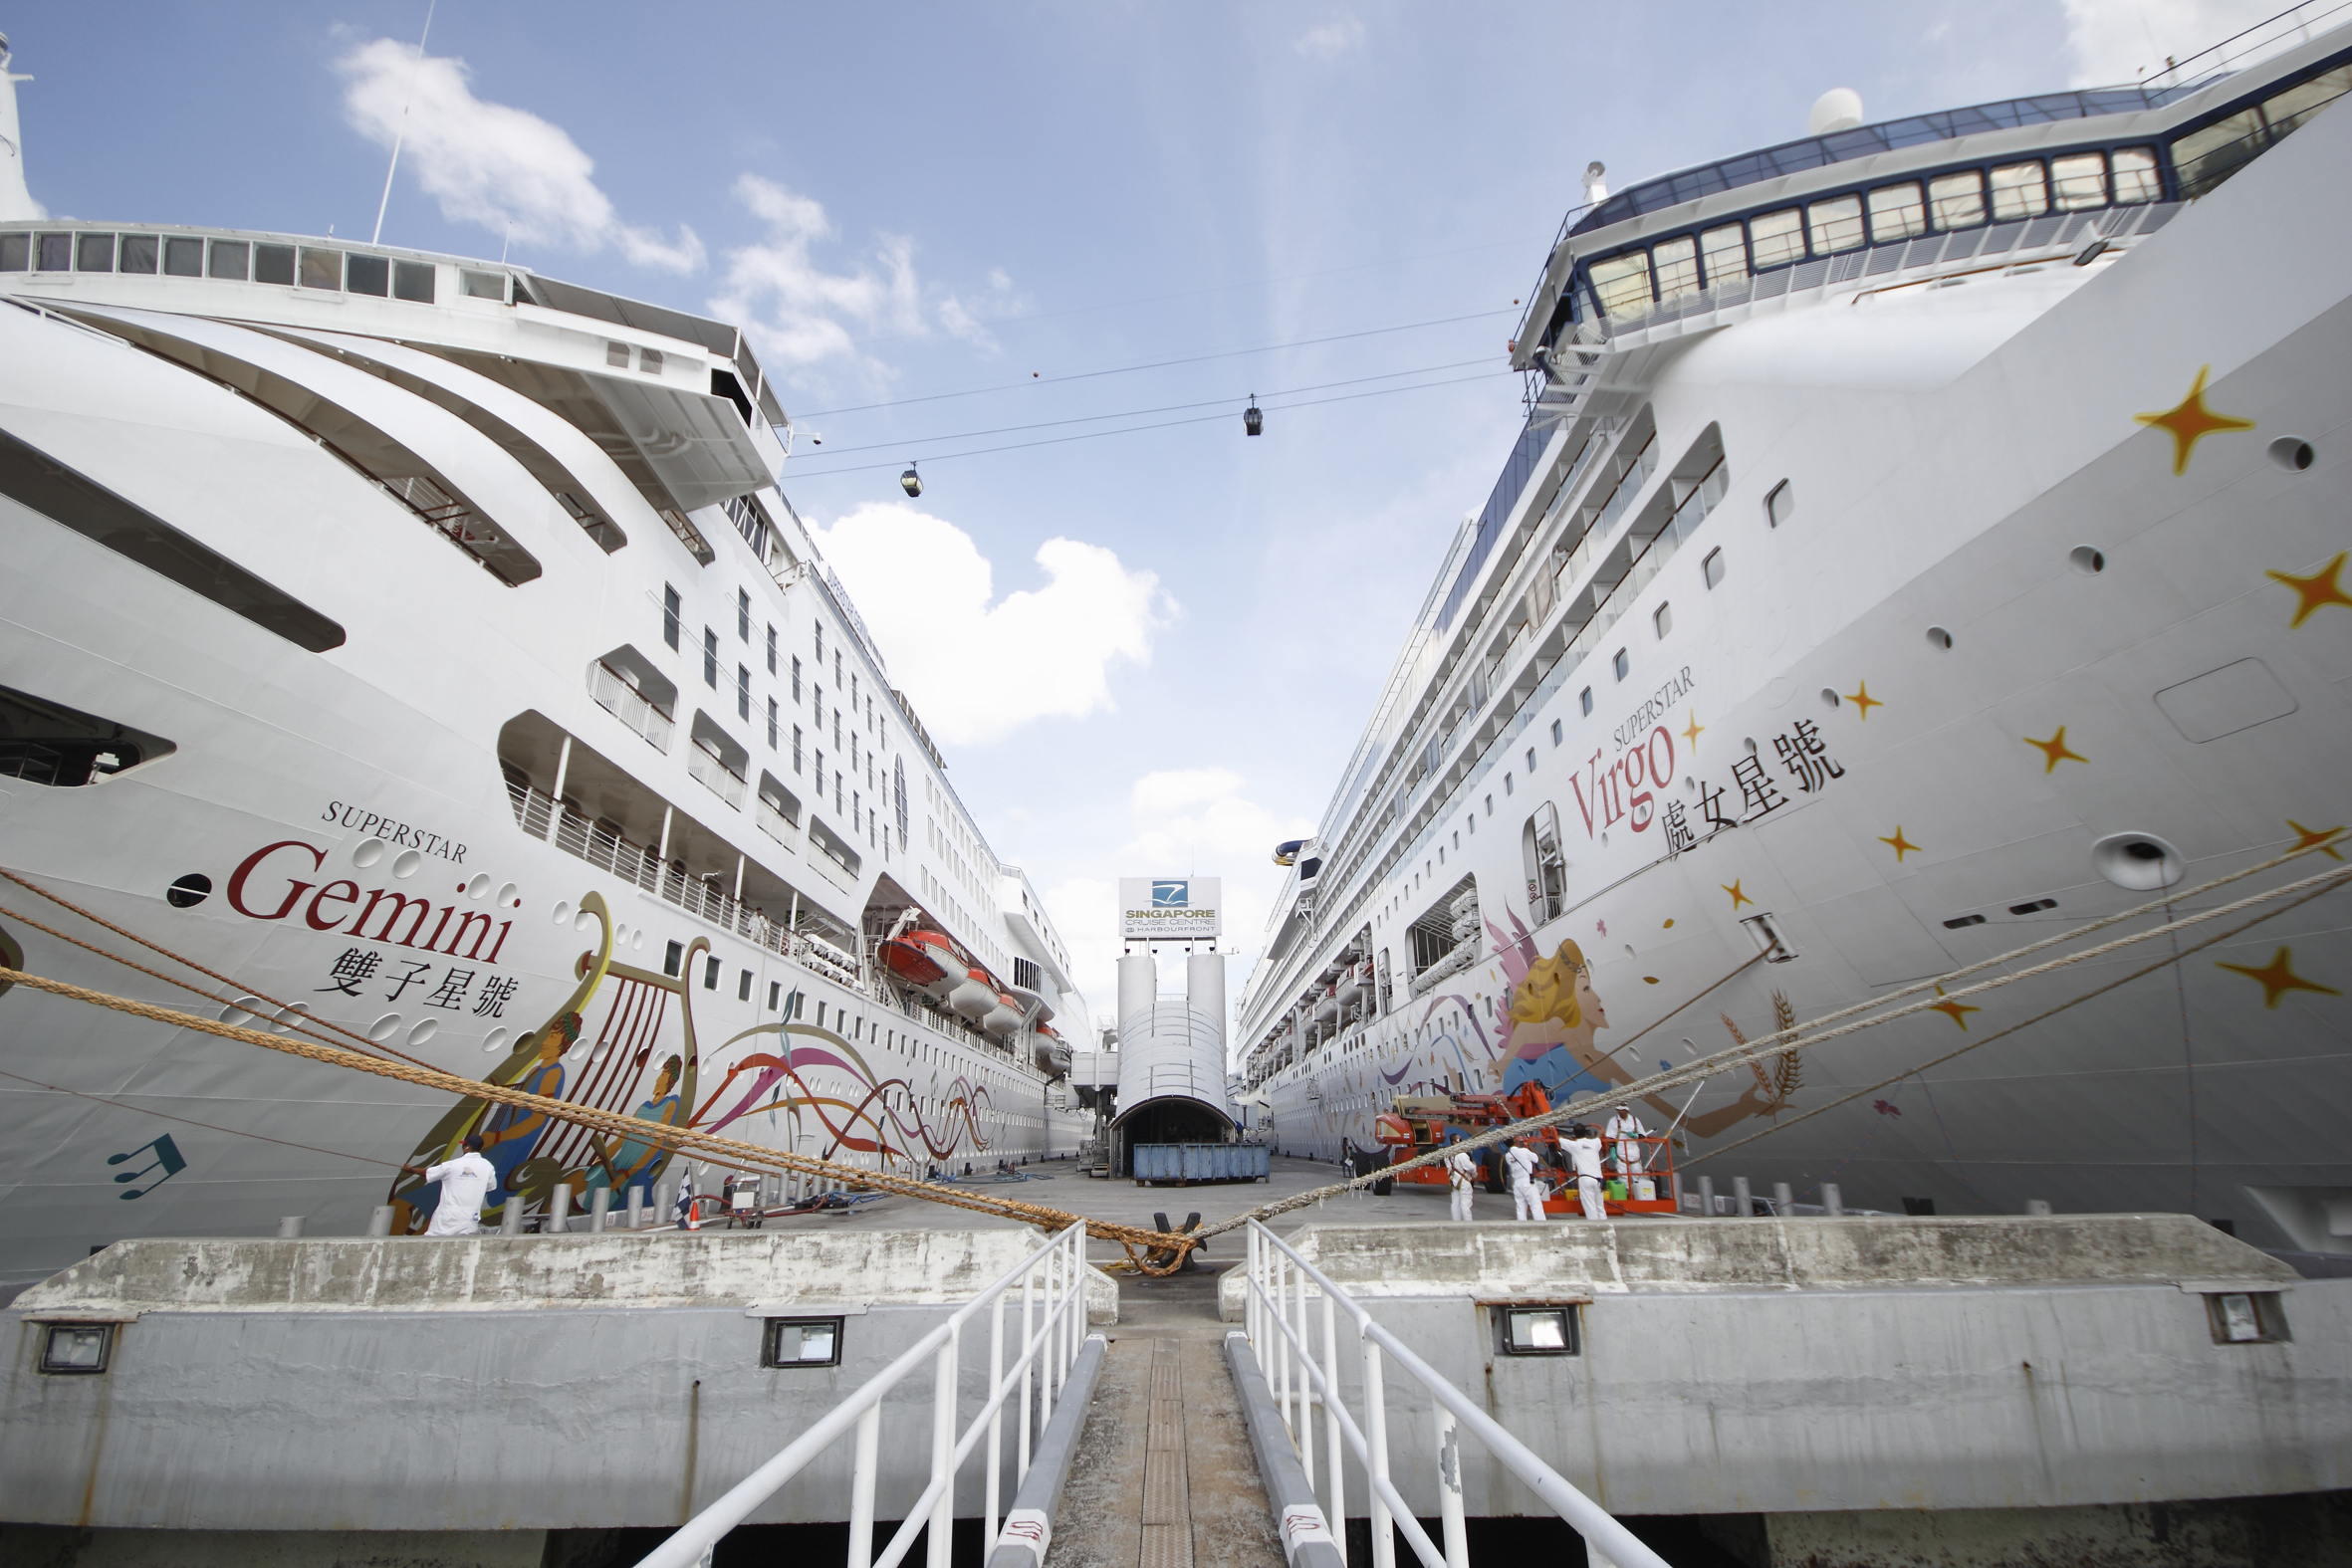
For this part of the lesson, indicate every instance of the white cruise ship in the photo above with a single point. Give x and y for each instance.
(427, 645)
(1925, 537)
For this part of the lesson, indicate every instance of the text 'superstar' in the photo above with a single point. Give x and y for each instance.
(2278, 976)
(1862, 700)
(1738, 897)
(2191, 421)
(2316, 591)
(1899, 844)
(2055, 751)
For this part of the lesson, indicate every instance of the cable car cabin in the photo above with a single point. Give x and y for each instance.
(1637, 1174)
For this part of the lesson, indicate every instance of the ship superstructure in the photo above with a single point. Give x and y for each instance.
(1920, 539)
(429, 644)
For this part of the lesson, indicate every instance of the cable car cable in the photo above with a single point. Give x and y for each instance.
(1154, 364)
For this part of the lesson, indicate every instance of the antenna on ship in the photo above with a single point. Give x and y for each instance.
(16, 199)
(1596, 184)
(910, 481)
(401, 134)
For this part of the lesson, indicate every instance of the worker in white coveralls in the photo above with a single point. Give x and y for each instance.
(1460, 1175)
(1526, 1201)
(1582, 1147)
(1622, 1130)
(465, 1182)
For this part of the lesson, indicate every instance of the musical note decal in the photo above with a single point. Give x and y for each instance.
(167, 1159)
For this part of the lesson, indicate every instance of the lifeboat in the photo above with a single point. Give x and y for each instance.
(971, 995)
(925, 960)
(1003, 1018)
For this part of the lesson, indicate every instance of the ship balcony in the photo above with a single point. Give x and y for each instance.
(625, 685)
(714, 775)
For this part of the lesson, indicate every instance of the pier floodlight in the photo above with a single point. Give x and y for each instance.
(910, 481)
(1253, 421)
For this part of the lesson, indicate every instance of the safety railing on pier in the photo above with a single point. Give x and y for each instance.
(1052, 1288)
(1276, 1320)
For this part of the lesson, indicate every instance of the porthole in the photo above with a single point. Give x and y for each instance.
(1621, 664)
(189, 891)
(237, 1014)
(2141, 862)
(2085, 559)
(495, 1043)
(424, 1032)
(1663, 620)
(1940, 639)
(1779, 504)
(406, 866)
(1830, 697)
(2292, 453)
(366, 853)
(478, 888)
(508, 897)
(385, 1028)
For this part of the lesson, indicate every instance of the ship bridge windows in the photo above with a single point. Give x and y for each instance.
(1834, 225)
(1623, 283)
(1776, 238)
(2212, 153)
(35, 480)
(1896, 212)
(1724, 252)
(46, 742)
(2020, 190)
(1957, 201)
(1677, 262)
(2080, 180)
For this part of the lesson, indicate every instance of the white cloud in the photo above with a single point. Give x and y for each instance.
(491, 165)
(978, 667)
(796, 311)
(1332, 38)
(2121, 41)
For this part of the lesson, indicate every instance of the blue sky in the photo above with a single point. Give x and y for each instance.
(1149, 653)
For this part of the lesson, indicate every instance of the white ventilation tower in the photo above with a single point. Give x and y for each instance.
(16, 199)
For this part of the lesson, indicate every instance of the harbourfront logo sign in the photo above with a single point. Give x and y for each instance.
(1167, 908)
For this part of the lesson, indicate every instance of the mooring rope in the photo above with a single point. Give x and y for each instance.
(1161, 1250)
(1800, 1036)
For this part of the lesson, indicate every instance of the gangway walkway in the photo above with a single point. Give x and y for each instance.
(1047, 1382)
(1283, 1379)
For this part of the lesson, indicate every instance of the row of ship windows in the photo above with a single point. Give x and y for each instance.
(239, 261)
(1962, 199)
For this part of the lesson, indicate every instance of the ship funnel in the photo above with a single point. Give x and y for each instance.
(1596, 184)
(1839, 109)
(16, 200)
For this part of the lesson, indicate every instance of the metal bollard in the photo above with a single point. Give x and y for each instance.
(637, 1220)
(599, 1204)
(1677, 1184)
(1783, 1198)
(2038, 1205)
(1832, 1200)
(1743, 1201)
(379, 1220)
(559, 1209)
(289, 1227)
(510, 1217)
(1706, 1196)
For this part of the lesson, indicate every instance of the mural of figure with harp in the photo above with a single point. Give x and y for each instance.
(621, 1065)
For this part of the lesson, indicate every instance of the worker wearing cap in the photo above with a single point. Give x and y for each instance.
(1624, 1129)
(1526, 1201)
(1461, 1176)
(1582, 1147)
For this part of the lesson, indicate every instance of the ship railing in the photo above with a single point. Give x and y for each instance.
(705, 768)
(613, 693)
(642, 868)
(1050, 1287)
(1280, 1332)
(774, 822)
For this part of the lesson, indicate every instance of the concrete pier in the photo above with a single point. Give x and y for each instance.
(1875, 1390)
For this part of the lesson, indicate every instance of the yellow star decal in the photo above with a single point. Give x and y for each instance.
(2314, 590)
(1899, 844)
(2055, 751)
(1695, 728)
(2191, 421)
(2277, 978)
(1957, 1011)
(1738, 897)
(2305, 837)
(1860, 697)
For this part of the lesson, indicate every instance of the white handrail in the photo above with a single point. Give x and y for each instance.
(1052, 1277)
(1267, 1307)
